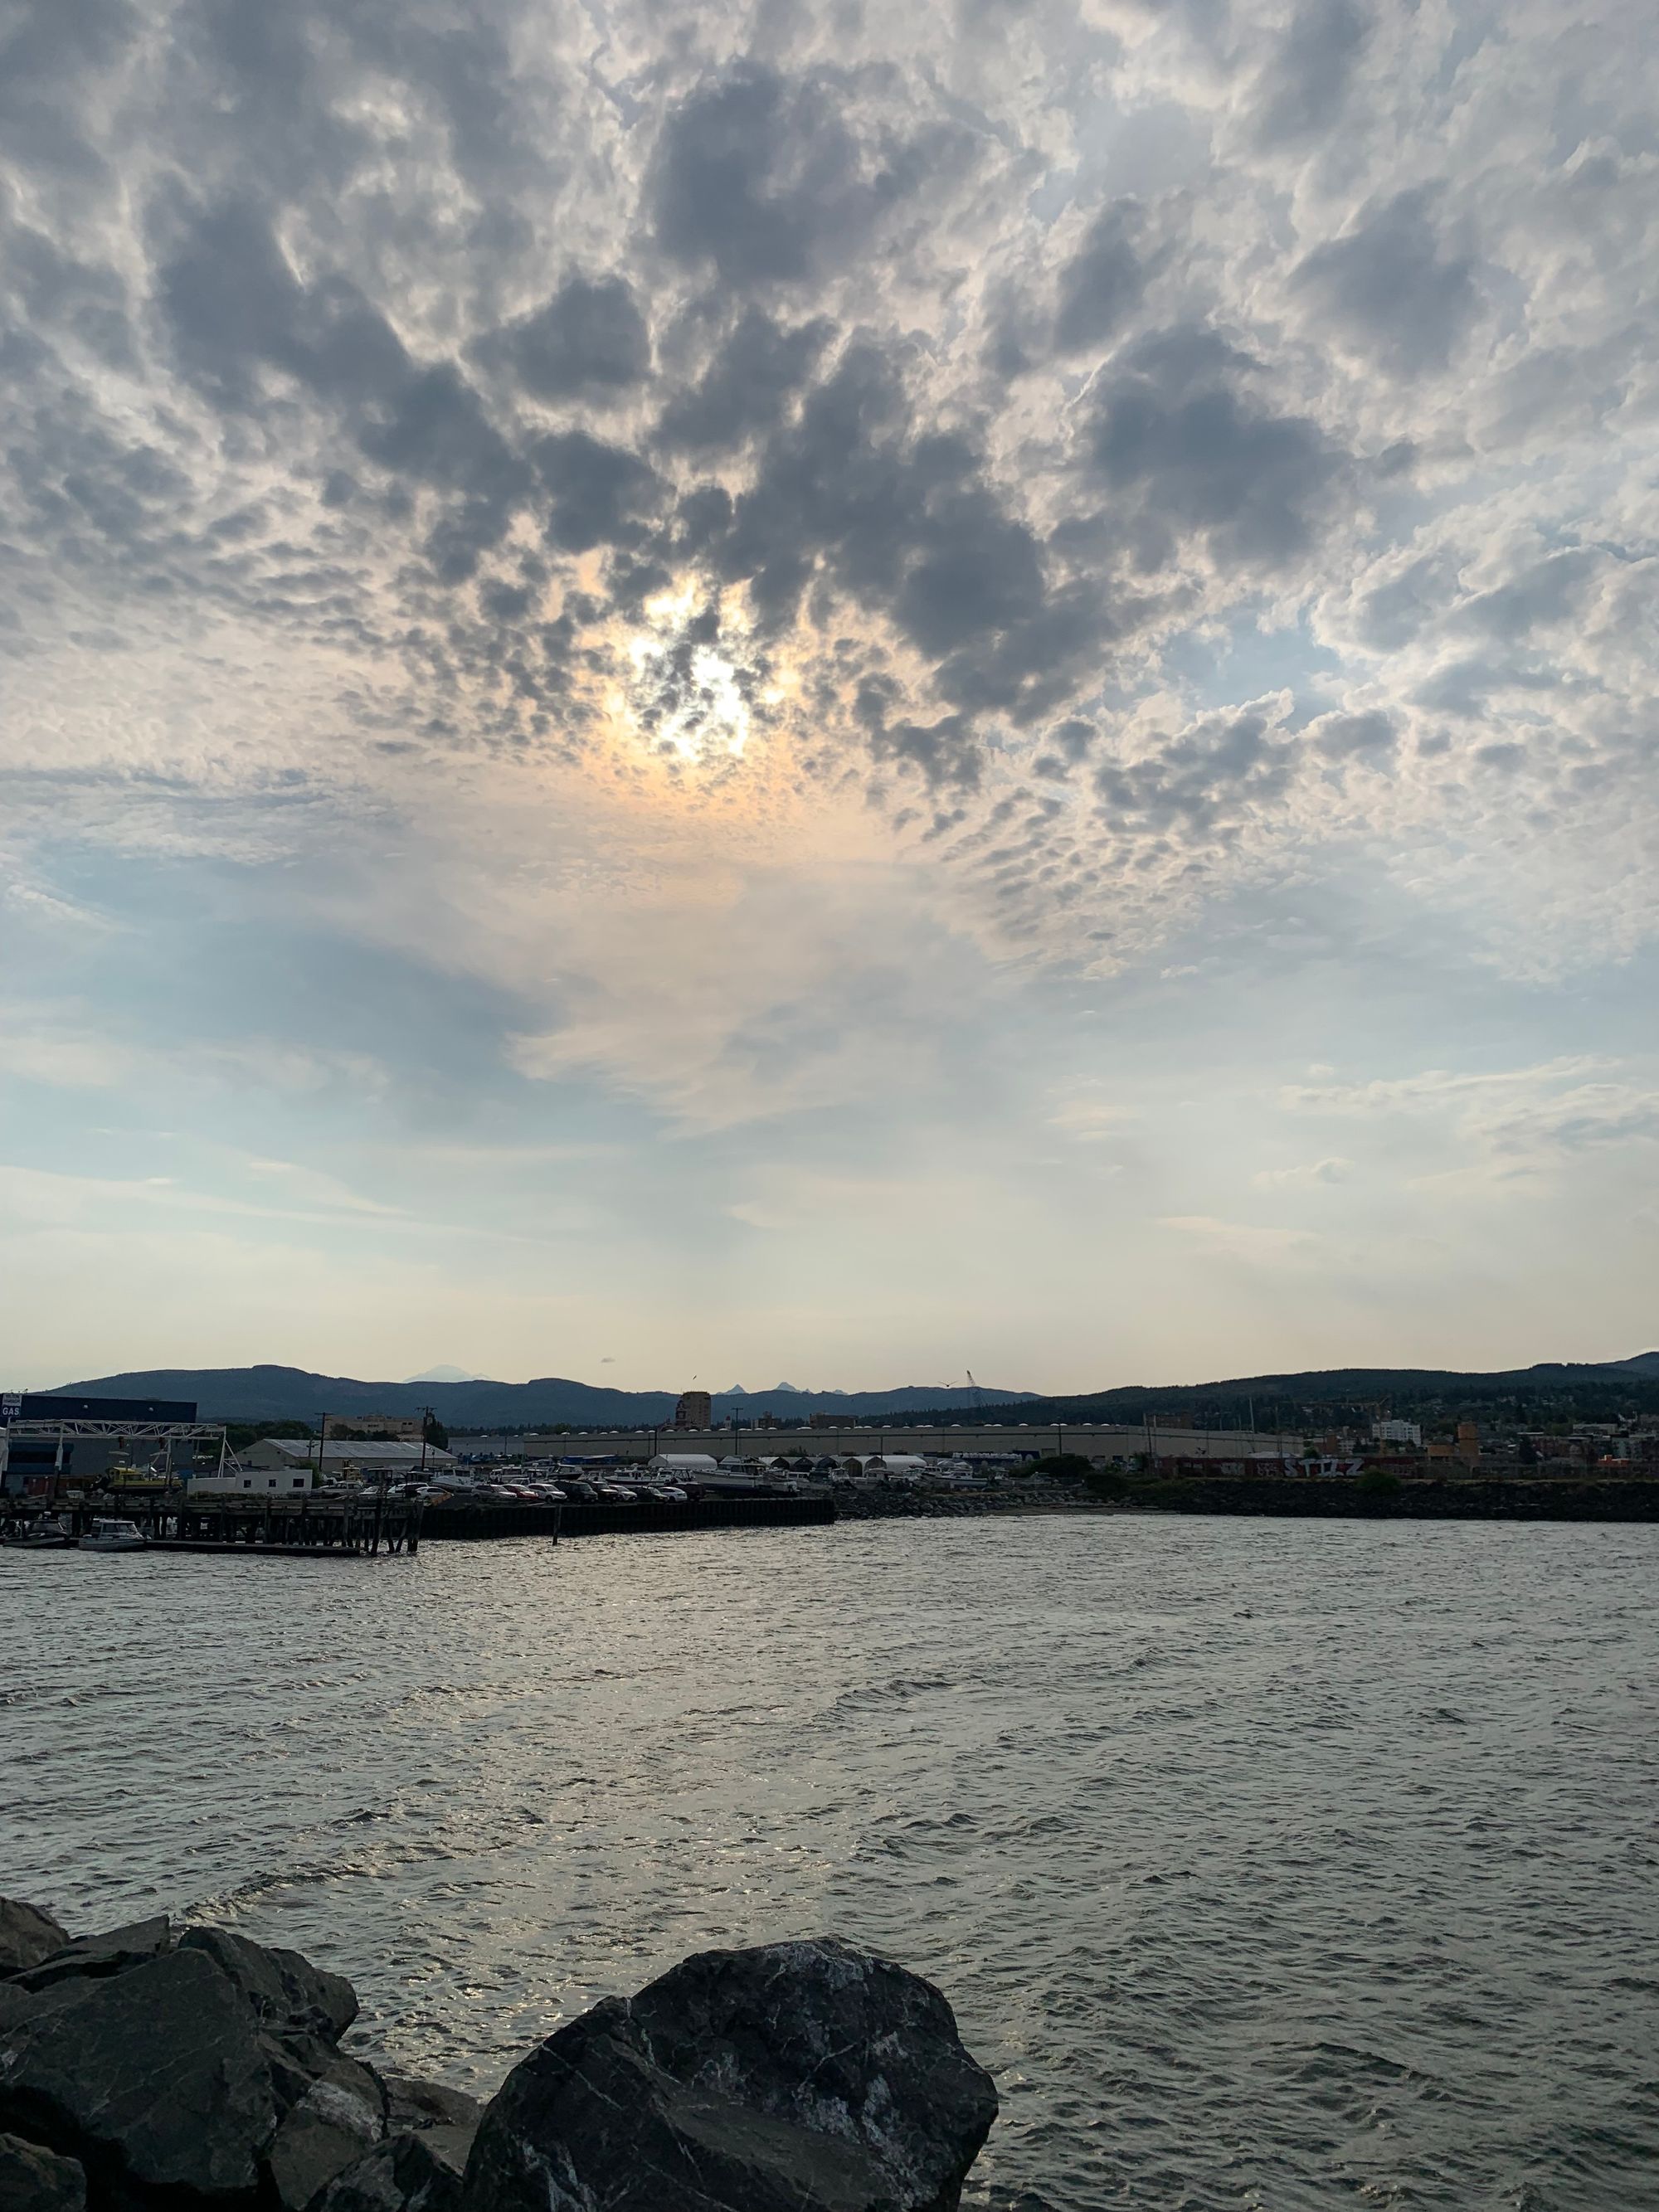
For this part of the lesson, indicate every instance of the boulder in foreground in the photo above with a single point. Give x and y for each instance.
(27, 1934)
(36, 2180)
(151, 2069)
(795, 2077)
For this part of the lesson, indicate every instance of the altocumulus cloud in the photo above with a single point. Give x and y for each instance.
(801, 407)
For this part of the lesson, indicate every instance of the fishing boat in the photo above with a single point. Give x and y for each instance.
(114, 1537)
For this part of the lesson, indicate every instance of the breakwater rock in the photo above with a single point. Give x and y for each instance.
(1472, 1497)
(152, 2068)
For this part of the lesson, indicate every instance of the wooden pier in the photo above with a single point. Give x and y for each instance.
(359, 1527)
(368, 1525)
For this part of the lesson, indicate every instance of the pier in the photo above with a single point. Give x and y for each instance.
(356, 1528)
(369, 1525)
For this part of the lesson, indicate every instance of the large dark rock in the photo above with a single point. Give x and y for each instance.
(36, 2180)
(285, 1991)
(415, 2104)
(27, 1934)
(410, 2173)
(153, 2078)
(96, 1956)
(797, 2077)
(340, 2114)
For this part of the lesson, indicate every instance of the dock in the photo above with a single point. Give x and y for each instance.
(370, 1526)
(302, 1529)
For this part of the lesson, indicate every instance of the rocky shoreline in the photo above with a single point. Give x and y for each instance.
(1473, 1497)
(155, 2068)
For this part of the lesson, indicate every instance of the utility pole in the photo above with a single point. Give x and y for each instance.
(321, 1440)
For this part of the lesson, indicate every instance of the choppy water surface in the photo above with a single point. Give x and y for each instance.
(1268, 1863)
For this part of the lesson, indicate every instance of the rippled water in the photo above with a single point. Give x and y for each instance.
(1268, 1863)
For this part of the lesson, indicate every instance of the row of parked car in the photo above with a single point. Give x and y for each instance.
(587, 1490)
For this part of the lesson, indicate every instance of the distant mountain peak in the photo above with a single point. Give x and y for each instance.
(445, 1375)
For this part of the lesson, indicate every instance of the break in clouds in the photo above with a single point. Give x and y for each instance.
(1122, 447)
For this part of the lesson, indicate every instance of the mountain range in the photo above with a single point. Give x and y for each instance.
(1550, 1391)
(292, 1394)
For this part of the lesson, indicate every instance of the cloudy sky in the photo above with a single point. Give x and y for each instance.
(836, 692)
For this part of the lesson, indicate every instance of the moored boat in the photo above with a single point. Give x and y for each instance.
(50, 1534)
(114, 1537)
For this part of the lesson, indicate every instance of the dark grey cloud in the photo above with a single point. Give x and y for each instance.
(1343, 737)
(271, 89)
(1305, 82)
(1187, 450)
(1390, 287)
(761, 176)
(1103, 283)
(235, 309)
(906, 522)
(589, 341)
(599, 492)
(945, 751)
(50, 56)
(1201, 783)
(747, 385)
(73, 300)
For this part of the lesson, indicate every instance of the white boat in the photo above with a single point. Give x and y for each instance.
(114, 1537)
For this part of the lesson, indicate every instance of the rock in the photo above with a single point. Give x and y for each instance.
(412, 2103)
(36, 2180)
(154, 2077)
(796, 2077)
(341, 2114)
(296, 2060)
(285, 1991)
(93, 1956)
(16, 2004)
(27, 1934)
(416, 2172)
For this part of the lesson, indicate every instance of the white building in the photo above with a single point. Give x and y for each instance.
(1397, 1432)
(697, 1465)
(253, 1482)
(345, 1460)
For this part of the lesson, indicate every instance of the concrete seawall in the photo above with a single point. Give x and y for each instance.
(649, 1517)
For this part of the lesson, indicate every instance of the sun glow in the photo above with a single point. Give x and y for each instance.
(688, 693)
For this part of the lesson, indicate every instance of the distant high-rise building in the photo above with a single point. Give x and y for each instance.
(695, 1410)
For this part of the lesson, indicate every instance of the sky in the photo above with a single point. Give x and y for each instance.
(721, 692)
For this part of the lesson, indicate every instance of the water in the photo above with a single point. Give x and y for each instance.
(1268, 1864)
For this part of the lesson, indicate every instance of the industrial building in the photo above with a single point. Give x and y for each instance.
(46, 1437)
(345, 1460)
